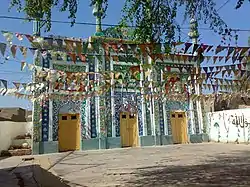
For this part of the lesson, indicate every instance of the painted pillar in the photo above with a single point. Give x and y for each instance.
(160, 103)
(98, 100)
(46, 103)
(165, 117)
(149, 107)
(148, 118)
(107, 109)
(45, 108)
(144, 126)
(50, 105)
(152, 104)
(156, 77)
(109, 100)
(95, 103)
(36, 110)
(111, 124)
(86, 115)
(93, 133)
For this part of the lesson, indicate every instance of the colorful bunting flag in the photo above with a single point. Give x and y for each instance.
(208, 58)
(69, 45)
(209, 48)
(24, 85)
(219, 49)
(243, 51)
(187, 46)
(227, 58)
(195, 47)
(17, 85)
(19, 36)
(215, 59)
(3, 48)
(23, 51)
(8, 36)
(30, 38)
(230, 51)
(23, 65)
(211, 68)
(13, 50)
(220, 58)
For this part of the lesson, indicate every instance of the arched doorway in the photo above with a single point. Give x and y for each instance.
(69, 129)
(129, 127)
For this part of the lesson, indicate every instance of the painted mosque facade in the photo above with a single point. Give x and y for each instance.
(118, 118)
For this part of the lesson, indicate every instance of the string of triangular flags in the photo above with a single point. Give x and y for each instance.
(83, 57)
(20, 86)
(80, 77)
(173, 97)
(241, 66)
(46, 73)
(216, 87)
(237, 69)
(85, 90)
(99, 92)
(77, 47)
(73, 42)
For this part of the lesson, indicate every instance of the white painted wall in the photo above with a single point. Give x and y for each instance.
(9, 130)
(229, 125)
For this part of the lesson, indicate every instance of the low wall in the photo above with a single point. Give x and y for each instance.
(229, 126)
(9, 130)
(113, 142)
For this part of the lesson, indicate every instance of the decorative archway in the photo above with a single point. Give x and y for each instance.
(70, 106)
(119, 106)
(176, 105)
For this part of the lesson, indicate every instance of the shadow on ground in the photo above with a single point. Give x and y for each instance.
(233, 170)
(29, 176)
(3, 157)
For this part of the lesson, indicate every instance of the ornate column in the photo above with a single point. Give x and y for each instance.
(141, 97)
(46, 104)
(93, 133)
(36, 112)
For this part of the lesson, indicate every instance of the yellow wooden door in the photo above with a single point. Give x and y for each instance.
(173, 127)
(182, 126)
(179, 127)
(124, 132)
(69, 132)
(133, 130)
(128, 129)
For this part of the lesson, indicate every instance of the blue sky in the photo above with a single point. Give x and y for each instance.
(11, 70)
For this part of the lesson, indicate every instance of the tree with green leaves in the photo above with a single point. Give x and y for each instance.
(153, 20)
(240, 3)
(125, 33)
(42, 9)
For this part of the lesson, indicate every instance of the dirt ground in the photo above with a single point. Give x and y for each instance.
(210, 164)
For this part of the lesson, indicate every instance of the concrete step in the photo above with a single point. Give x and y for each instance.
(16, 152)
(20, 142)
